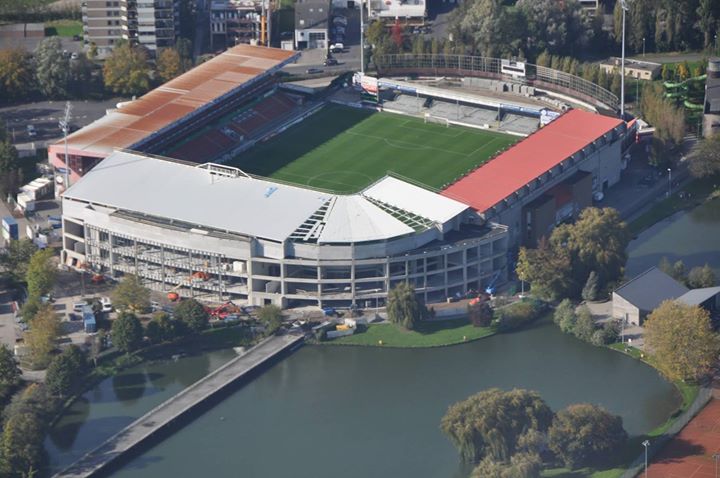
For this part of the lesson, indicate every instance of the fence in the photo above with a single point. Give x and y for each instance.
(477, 66)
(657, 444)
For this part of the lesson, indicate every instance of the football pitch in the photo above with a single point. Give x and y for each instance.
(344, 149)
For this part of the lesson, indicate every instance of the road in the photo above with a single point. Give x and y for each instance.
(45, 115)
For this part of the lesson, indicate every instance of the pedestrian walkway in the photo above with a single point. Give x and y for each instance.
(155, 420)
(690, 453)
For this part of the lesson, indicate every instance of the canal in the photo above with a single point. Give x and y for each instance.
(693, 237)
(356, 412)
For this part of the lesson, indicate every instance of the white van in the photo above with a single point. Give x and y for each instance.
(337, 48)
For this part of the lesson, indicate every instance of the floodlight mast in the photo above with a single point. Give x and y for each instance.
(623, 5)
(65, 124)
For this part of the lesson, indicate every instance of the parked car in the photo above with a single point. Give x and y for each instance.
(31, 131)
(106, 304)
(337, 48)
(330, 62)
(313, 71)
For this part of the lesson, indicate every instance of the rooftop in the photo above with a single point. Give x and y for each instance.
(311, 14)
(529, 159)
(189, 92)
(166, 189)
(698, 296)
(648, 290)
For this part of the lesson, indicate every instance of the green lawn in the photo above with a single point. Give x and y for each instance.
(63, 28)
(345, 149)
(430, 334)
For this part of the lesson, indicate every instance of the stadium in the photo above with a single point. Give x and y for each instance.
(230, 183)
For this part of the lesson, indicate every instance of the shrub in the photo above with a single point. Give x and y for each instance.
(518, 314)
(564, 316)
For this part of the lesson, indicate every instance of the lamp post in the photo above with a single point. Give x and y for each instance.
(623, 5)
(646, 444)
(669, 182)
(362, 39)
(643, 47)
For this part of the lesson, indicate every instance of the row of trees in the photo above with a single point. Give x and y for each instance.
(697, 278)
(515, 433)
(590, 250)
(668, 25)
(11, 175)
(52, 73)
(580, 323)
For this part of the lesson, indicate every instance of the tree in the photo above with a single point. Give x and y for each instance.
(130, 294)
(162, 328)
(546, 269)
(706, 21)
(126, 70)
(521, 465)
(169, 64)
(597, 241)
(681, 340)
(590, 291)
(97, 343)
(52, 68)
(706, 160)
(700, 277)
(403, 306)
(10, 174)
(66, 371)
(490, 423)
(564, 316)
(127, 332)
(9, 372)
(22, 446)
(41, 272)
(375, 33)
(15, 74)
(480, 313)
(616, 84)
(92, 51)
(17, 257)
(271, 316)
(80, 75)
(42, 335)
(192, 314)
(683, 71)
(585, 325)
(584, 434)
(184, 48)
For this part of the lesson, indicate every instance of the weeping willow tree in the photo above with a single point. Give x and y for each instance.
(404, 308)
(490, 424)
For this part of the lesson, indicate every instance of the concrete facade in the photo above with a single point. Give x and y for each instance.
(623, 309)
(174, 257)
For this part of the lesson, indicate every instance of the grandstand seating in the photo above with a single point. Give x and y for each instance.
(468, 114)
(245, 124)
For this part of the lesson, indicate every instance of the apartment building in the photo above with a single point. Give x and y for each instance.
(150, 23)
(102, 24)
(235, 21)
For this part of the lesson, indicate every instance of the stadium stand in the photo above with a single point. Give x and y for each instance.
(462, 113)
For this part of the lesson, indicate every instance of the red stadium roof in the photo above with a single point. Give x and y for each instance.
(529, 159)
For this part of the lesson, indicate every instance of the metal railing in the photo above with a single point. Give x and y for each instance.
(658, 443)
(478, 66)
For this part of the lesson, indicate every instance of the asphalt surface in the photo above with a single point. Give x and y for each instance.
(45, 116)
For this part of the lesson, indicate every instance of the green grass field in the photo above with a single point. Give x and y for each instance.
(63, 28)
(345, 149)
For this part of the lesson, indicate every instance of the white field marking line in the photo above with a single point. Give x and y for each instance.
(457, 132)
(307, 181)
(318, 176)
(411, 148)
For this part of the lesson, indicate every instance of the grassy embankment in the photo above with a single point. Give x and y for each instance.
(428, 334)
(700, 190)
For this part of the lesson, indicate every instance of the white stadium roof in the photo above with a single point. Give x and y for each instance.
(256, 207)
(355, 219)
(414, 199)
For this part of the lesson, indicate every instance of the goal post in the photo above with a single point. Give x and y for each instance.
(437, 120)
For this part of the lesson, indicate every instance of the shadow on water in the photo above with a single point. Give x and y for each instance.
(64, 433)
(317, 130)
(129, 387)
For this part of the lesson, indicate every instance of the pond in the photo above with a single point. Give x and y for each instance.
(691, 236)
(330, 411)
